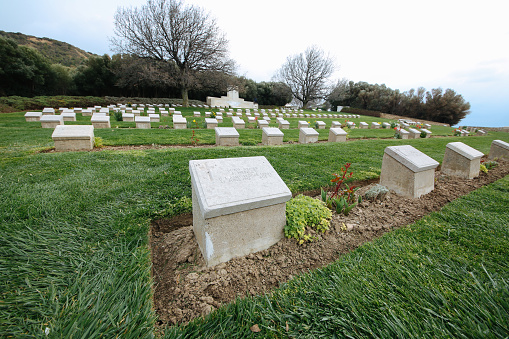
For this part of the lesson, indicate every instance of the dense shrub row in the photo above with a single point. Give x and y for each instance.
(361, 111)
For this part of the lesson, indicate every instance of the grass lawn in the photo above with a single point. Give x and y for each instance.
(73, 252)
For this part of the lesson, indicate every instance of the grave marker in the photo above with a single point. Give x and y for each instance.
(461, 160)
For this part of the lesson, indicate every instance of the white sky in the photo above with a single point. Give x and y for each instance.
(463, 45)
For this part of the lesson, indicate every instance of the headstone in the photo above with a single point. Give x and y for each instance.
(375, 125)
(219, 119)
(461, 160)
(284, 124)
(263, 123)
(303, 124)
(414, 133)
(335, 124)
(238, 123)
(337, 134)
(499, 149)
(128, 117)
(428, 132)
(198, 114)
(227, 136)
(73, 138)
(239, 206)
(211, 123)
(308, 135)
(408, 171)
(480, 132)
(48, 111)
(386, 125)
(69, 116)
(321, 124)
(272, 136)
(142, 122)
(154, 117)
(179, 122)
(363, 125)
(78, 110)
(404, 134)
(87, 112)
(51, 121)
(33, 116)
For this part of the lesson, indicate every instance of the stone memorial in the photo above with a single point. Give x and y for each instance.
(87, 112)
(408, 171)
(461, 160)
(272, 136)
(404, 134)
(239, 206)
(320, 124)
(262, 123)
(386, 125)
(219, 119)
(142, 122)
(238, 123)
(78, 110)
(73, 138)
(414, 133)
(48, 111)
(499, 149)
(100, 121)
(480, 132)
(197, 114)
(129, 117)
(337, 134)
(428, 132)
(307, 135)
(284, 124)
(211, 123)
(363, 125)
(33, 116)
(303, 124)
(51, 121)
(69, 116)
(179, 122)
(154, 117)
(227, 136)
(336, 124)
(375, 125)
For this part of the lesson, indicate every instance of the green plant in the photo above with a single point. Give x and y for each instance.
(377, 192)
(423, 134)
(342, 198)
(394, 124)
(118, 116)
(304, 212)
(457, 132)
(483, 168)
(194, 140)
(98, 142)
(490, 164)
(316, 124)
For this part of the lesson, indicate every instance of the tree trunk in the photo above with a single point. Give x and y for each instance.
(185, 97)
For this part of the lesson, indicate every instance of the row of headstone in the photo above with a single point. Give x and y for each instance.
(411, 173)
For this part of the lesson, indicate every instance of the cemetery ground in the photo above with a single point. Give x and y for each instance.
(77, 230)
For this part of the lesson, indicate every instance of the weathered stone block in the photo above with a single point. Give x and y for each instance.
(337, 134)
(308, 135)
(238, 123)
(499, 149)
(33, 116)
(303, 124)
(51, 121)
(408, 171)
(129, 117)
(320, 124)
(227, 136)
(238, 206)
(142, 122)
(211, 123)
(100, 121)
(69, 116)
(272, 136)
(414, 133)
(461, 160)
(73, 138)
(363, 125)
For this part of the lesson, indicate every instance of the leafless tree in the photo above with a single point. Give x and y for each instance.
(307, 75)
(182, 35)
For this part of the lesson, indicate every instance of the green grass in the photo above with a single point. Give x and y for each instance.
(74, 251)
(446, 276)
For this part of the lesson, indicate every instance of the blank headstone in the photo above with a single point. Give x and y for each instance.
(320, 124)
(272, 136)
(363, 125)
(408, 171)
(337, 134)
(73, 138)
(129, 117)
(142, 122)
(308, 135)
(226, 136)
(51, 121)
(211, 123)
(179, 122)
(499, 149)
(303, 124)
(414, 133)
(461, 160)
(33, 116)
(239, 206)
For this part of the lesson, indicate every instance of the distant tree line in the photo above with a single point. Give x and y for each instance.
(26, 72)
(435, 105)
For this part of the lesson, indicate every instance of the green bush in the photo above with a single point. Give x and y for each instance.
(118, 116)
(303, 211)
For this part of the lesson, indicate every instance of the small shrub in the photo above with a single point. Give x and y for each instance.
(423, 134)
(302, 212)
(377, 192)
(394, 125)
(118, 116)
(491, 164)
(342, 198)
(98, 142)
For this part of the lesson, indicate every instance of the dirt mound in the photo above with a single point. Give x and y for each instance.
(184, 288)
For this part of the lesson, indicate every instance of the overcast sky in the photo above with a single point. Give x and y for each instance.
(463, 45)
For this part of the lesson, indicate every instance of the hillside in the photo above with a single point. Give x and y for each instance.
(57, 52)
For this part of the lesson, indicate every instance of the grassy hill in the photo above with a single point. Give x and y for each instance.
(57, 52)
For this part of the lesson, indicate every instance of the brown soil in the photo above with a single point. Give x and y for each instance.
(185, 289)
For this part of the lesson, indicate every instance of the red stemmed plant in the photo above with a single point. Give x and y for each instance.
(342, 198)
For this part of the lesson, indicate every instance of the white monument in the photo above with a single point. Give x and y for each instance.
(230, 100)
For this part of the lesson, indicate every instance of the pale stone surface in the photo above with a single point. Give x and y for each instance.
(461, 160)
(263, 123)
(51, 121)
(337, 134)
(428, 132)
(386, 124)
(272, 136)
(179, 122)
(142, 122)
(231, 99)
(238, 123)
(238, 206)
(154, 117)
(86, 112)
(100, 121)
(303, 124)
(73, 138)
(128, 117)
(211, 123)
(284, 124)
(403, 133)
(408, 171)
(321, 124)
(499, 149)
(69, 116)
(48, 111)
(336, 124)
(375, 125)
(363, 125)
(414, 133)
(33, 116)
(308, 135)
(227, 136)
